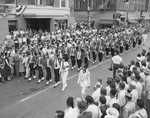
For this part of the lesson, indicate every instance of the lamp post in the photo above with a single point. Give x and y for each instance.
(88, 17)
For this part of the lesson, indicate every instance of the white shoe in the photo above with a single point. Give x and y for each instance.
(63, 89)
(50, 81)
(34, 77)
(29, 79)
(72, 68)
(39, 81)
(43, 78)
(58, 83)
(47, 83)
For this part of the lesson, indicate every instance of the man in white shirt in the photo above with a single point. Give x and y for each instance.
(121, 94)
(84, 80)
(129, 107)
(134, 91)
(141, 112)
(138, 86)
(113, 99)
(116, 61)
(96, 93)
(96, 113)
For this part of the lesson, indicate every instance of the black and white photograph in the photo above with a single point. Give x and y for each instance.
(74, 58)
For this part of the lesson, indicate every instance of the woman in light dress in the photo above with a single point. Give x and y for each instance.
(26, 65)
(21, 65)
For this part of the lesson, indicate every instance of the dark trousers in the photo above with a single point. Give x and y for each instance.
(134, 44)
(100, 56)
(107, 51)
(112, 52)
(79, 62)
(115, 67)
(66, 57)
(73, 61)
(139, 42)
(48, 71)
(121, 49)
(127, 47)
(86, 61)
(32, 69)
(94, 56)
(56, 73)
(40, 72)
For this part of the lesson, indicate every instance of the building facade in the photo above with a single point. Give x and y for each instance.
(35, 14)
(107, 12)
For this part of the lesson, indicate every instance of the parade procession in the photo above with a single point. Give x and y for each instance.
(75, 59)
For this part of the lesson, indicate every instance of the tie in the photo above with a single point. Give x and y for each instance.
(56, 63)
(78, 55)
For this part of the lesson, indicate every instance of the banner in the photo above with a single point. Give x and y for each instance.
(6, 9)
(20, 9)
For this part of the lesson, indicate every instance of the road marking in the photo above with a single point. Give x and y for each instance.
(67, 79)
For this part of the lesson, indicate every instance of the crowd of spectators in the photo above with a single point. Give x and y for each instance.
(125, 96)
(25, 52)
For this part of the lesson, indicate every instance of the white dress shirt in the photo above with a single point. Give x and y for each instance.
(135, 95)
(121, 97)
(95, 111)
(112, 101)
(96, 94)
(72, 113)
(117, 59)
(139, 88)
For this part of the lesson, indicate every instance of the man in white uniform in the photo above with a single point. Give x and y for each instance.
(84, 80)
(64, 73)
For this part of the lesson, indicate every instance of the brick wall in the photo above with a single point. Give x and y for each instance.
(22, 2)
(2, 1)
(3, 29)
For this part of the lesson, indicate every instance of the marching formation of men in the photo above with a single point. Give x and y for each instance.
(28, 52)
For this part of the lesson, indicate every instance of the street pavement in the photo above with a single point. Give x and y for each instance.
(21, 99)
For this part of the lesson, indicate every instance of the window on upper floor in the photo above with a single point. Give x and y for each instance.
(78, 4)
(9, 1)
(38, 2)
(31, 2)
(91, 4)
(50, 2)
(63, 3)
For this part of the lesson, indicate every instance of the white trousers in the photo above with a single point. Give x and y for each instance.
(27, 71)
(83, 90)
(64, 76)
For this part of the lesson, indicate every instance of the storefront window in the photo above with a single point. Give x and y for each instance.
(62, 24)
(12, 25)
(78, 4)
(9, 1)
(31, 2)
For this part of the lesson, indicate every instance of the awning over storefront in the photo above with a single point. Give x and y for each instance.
(45, 12)
(106, 21)
(84, 16)
(132, 21)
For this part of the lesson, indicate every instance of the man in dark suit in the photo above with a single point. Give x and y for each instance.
(82, 107)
